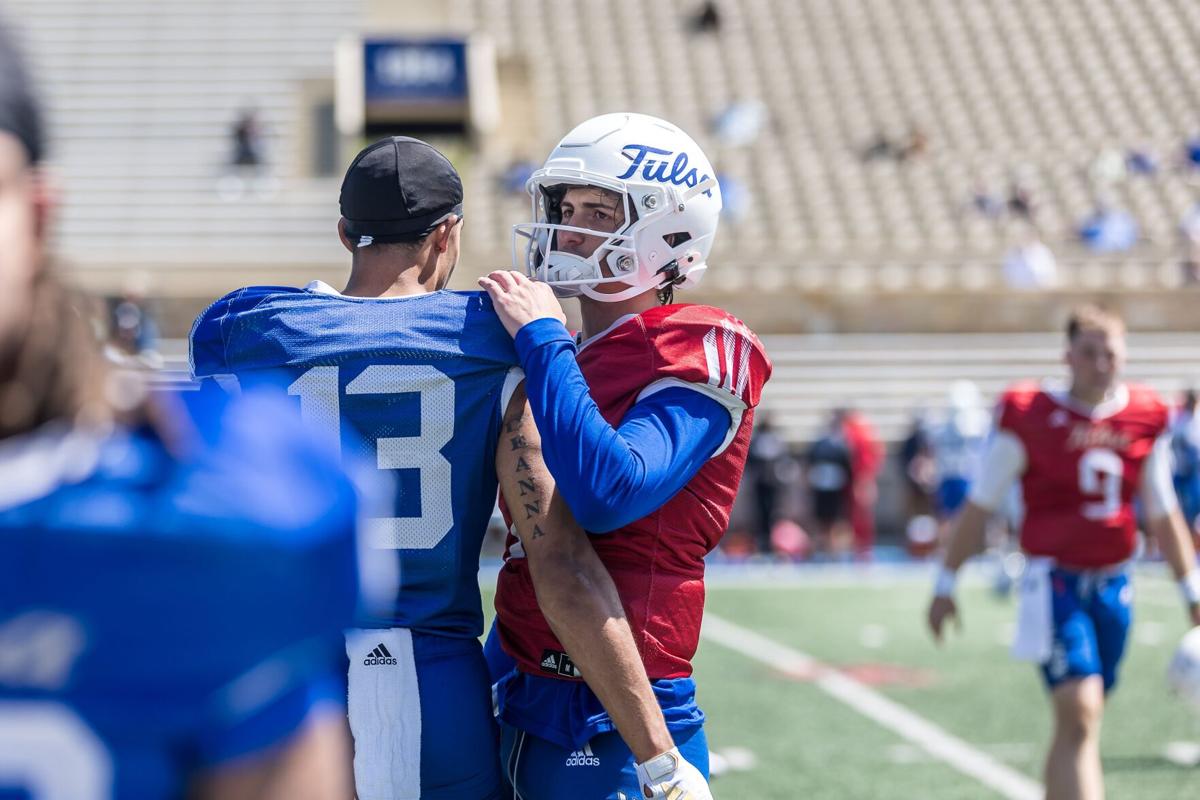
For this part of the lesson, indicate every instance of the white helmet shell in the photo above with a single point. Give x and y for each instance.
(671, 201)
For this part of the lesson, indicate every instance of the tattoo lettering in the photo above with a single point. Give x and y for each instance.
(527, 486)
(537, 533)
(514, 424)
(518, 442)
(533, 509)
(522, 464)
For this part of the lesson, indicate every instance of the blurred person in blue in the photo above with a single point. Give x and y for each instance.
(1185, 460)
(1109, 230)
(428, 378)
(176, 571)
(958, 445)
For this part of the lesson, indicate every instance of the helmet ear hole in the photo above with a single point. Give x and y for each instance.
(673, 240)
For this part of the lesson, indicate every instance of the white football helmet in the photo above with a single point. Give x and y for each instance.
(671, 202)
(1183, 674)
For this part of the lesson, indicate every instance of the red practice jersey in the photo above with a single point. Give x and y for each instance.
(657, 562)
(1082, 470)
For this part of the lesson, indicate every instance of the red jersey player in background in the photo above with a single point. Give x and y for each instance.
(866, 461)
(1082, 455)
(646, 436)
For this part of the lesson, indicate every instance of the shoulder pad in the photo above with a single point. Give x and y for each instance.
(705, 345)
(207, 340)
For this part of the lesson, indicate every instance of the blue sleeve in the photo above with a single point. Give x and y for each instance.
(613, 476)
(206, 341)
(209, 337)
(273, 724)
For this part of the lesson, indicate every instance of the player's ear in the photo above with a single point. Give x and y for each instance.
(444, 232)
(45, 205)
(342, 235)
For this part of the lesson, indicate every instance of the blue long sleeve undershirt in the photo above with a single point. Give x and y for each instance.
(612, 477)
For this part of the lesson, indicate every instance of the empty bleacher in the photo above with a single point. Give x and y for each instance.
(888, 377)
(143, 93)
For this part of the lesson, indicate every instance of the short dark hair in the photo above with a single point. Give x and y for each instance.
(1092, 317)
(20, 114)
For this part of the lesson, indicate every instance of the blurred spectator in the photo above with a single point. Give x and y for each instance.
(958, 446)
(987, 202)
(1189, 235)
(133, 329)
(881, 148)
(1107, 169)
(734, 197)
(767, 465)
(917, 467)
(914, 147)
(828, 476)
(247, 140)
(1140, 161)
(516, 175)
(1109, 230)
(1030, 265)
(740, 123)
(707, 19)
(884, 148)
(1021, 203)
(1191, 153)
(866, 460)
(1185, 458)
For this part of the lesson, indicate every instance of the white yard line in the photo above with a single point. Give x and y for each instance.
(968, 760)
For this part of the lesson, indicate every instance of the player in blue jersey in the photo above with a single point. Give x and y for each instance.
(175, 573)
(428, 379)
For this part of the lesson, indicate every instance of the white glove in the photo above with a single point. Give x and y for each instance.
(671, 777)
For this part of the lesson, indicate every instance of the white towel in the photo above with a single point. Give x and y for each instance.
(385, 714)
(1034, 638)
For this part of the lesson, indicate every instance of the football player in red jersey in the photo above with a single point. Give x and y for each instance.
(1082, 455)
(645, 426)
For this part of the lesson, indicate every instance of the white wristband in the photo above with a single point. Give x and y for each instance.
(1189, 587)
(944, 583)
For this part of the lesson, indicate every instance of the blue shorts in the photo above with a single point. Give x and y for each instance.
(1188, 491)
(951, 494)
(603, 769)
(451, 707)
(1092, 613)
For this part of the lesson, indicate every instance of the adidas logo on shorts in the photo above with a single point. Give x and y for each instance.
(378, 656)
(583, 758)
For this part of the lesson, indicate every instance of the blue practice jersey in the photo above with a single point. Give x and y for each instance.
(419, 381)
(162, 614)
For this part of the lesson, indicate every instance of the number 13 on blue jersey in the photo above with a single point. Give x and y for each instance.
(320, 404)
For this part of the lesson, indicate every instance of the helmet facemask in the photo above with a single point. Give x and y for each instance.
(636, 255)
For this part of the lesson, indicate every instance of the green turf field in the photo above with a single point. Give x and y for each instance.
(804, 743)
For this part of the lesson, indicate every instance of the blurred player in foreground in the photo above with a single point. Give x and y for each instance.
(1082, 456)
(428, 378)
(175, 572)
(646, 434)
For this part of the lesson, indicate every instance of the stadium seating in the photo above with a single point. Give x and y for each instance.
(143, 95)
(1031, 88)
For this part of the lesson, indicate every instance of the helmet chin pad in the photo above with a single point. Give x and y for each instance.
(560, 268)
